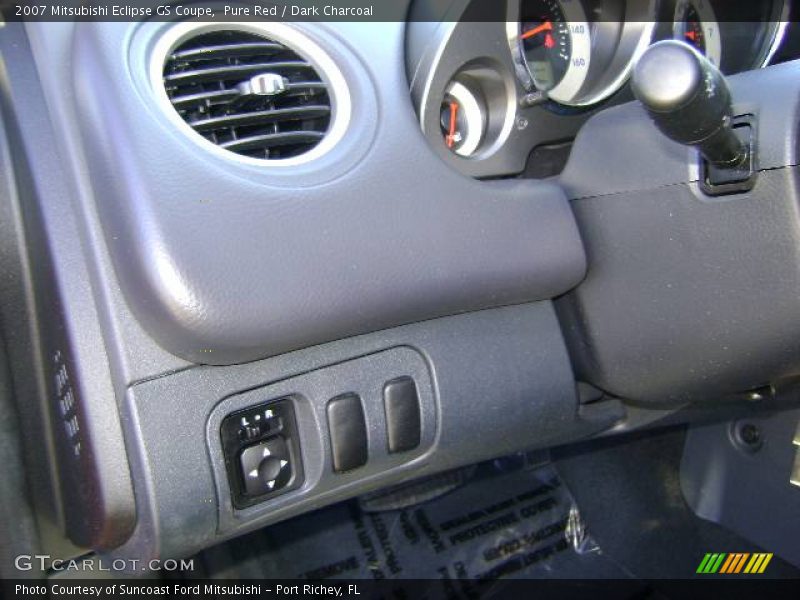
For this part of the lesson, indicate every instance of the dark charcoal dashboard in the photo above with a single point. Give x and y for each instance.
(273, 265)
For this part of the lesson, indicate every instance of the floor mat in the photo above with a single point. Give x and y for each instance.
(629, 492)
(514, 519)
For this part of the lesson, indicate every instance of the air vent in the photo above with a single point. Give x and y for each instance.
(248, 94)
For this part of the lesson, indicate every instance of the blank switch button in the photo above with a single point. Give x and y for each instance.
(348, 432)
(401, 403)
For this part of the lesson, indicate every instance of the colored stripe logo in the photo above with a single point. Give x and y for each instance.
(734, 562)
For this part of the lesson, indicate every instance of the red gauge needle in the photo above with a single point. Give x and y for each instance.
(546, 26)
(691, 35)
(451, 134)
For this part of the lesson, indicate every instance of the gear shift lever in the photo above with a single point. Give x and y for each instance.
(688, 99)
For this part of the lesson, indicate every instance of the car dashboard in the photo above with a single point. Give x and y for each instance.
(260, 267)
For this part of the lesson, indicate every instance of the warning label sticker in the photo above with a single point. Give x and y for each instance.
(521, 523)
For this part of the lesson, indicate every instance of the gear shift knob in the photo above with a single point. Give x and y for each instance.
(688, 99)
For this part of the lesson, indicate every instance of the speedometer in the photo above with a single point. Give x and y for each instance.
(555, 42)
(566, 58)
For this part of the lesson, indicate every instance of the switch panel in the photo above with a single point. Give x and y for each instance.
(353, 424)
(348, 432)
(262, 452)
(403, 421)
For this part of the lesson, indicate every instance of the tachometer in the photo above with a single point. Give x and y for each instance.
(696, 24)
(735, 36)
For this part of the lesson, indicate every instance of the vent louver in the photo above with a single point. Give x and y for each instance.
(248, 94)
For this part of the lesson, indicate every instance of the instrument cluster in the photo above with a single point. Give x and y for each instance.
(497, 83)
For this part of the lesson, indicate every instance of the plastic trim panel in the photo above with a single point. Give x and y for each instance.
(225, 262)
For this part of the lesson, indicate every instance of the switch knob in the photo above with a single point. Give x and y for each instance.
(266, 467)
(689, 101)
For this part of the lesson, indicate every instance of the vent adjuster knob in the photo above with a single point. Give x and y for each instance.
(263, 84)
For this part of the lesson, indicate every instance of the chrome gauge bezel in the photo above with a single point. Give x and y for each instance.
(779, 33)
